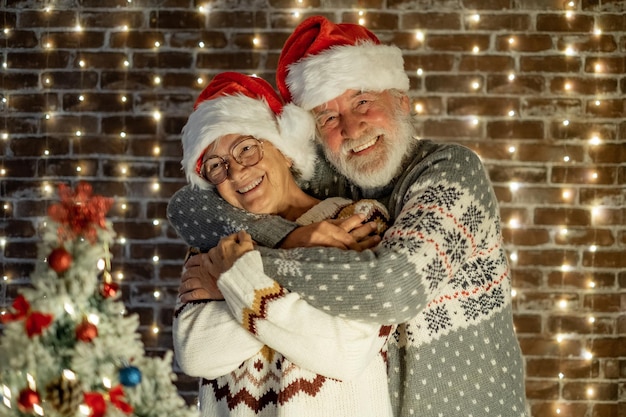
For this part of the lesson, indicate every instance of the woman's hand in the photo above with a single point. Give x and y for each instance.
(349, 233)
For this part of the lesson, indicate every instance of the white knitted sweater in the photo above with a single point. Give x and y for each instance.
(265, 352)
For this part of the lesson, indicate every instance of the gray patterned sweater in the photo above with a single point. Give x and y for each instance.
(440, 273)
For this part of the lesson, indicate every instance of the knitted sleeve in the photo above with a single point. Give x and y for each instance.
(446, 215)
(208, 342)
(201, 218)
(310, 338)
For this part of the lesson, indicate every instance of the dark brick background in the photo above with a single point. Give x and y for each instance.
(541, 100)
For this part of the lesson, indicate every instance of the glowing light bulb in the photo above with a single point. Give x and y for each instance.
(156, 115)
(561, 375)
(512, 149)
(587, 355)
(566, 158)
(156, 222)
(122, 134)
(157, 80)
(156, 294)
(201, 44)
(157, 44)
(156, 186)
(419, 71)
(514, 186)
(78, 133)
(419, 107)
(511, 113)
(514, 223)
(593, 248)
(475, 18)
(419, 35)
(475, 49)
(595, 140)
(513, 256)
(559, 338)
(255, 41)
(563, 304)
(511, 40)
(565, 122)
(155, 258)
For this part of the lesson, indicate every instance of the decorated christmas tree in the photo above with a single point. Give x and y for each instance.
(68, 346)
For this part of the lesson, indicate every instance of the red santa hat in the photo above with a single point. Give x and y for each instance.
(321, 60)
(235, 103)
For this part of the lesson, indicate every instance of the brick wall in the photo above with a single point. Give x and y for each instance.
(99, 90)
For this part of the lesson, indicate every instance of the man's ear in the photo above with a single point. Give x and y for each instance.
(405, 103)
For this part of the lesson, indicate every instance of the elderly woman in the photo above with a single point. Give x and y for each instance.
(259, 349)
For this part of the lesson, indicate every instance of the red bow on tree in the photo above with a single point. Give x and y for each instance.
(79, 212)
(97, 402)
(36, 322)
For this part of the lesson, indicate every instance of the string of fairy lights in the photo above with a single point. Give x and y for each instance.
(570, 188)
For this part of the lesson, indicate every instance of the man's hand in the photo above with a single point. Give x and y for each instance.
(201, 272)
(196, 281)
(223, 256)
(349, 233)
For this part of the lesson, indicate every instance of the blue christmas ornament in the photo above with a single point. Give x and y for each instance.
(130, 376)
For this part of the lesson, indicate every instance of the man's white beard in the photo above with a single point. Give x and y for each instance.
(380, 167)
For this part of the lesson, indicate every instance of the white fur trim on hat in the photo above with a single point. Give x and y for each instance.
(239, 114)
(366, 66)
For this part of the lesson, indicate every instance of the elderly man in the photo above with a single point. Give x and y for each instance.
(440, 272)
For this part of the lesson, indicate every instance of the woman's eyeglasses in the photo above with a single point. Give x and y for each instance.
(247, 152)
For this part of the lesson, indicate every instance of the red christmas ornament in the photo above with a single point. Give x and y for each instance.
(60, 260)
(27, 400)
(86, 331)
(109, 289)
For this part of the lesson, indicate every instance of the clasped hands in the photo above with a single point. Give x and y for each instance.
(201, 272)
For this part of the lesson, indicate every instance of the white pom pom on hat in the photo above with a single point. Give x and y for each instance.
(235, 103)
